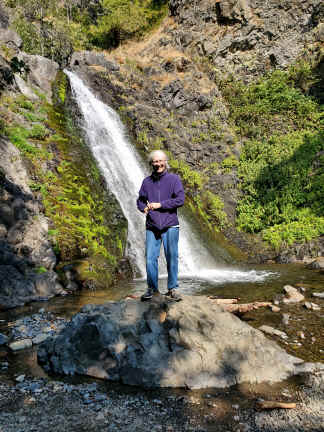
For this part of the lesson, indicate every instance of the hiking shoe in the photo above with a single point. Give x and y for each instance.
(147, 296)
(173, 295)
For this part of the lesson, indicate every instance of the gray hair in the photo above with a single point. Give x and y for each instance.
(154, 153)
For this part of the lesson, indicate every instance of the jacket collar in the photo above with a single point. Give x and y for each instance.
(156, 176)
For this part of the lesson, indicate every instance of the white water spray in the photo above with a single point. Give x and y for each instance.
(124, 172)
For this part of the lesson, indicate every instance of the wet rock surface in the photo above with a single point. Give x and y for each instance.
(193, 343)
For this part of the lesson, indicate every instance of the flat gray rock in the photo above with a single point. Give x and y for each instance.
(192, 343)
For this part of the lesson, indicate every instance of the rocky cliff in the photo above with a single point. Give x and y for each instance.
(232, 90)
(53, 201)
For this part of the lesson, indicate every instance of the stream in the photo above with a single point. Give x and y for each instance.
(302, 321)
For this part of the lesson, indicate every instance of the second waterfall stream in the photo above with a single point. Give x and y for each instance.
(124, 171)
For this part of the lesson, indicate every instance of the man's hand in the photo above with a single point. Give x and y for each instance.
(153, 206)
(146, 210)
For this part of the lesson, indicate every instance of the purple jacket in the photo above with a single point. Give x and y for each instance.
(167, 190)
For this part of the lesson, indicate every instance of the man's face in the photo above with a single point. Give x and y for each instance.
(159, 164)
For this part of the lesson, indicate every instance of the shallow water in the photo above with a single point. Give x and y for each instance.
(262, 283)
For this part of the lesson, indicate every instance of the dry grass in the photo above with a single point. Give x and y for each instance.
(144, 50)
(164, 79)
(98, 68)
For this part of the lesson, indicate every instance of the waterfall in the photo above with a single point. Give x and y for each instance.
(124, 172)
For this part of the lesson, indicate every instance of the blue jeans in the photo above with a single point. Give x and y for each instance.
(170, 239)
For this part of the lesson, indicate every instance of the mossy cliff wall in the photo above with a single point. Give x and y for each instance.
(71, 219)
(88, 219)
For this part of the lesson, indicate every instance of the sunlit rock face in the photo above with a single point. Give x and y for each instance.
(192, 343)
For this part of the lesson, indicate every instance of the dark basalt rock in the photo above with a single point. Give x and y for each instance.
(6, 74)
(193, 343)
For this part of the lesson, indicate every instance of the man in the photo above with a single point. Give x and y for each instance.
(160, 196)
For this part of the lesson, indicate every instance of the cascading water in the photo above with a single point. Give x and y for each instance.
(124, 172)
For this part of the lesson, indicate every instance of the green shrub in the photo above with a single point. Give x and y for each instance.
(283, 187)
(23, 102)
(77, 214)
(32, 117)
(192, 179)
(229, 163)
(54, 31)
(38, 131)
(124, 19)
(215, 209)
(18, 136)
(41, 270)
(271, 104)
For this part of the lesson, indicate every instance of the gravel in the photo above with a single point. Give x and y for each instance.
(34, 405)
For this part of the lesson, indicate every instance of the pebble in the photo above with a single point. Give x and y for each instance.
(20, 378)
(285, 318)
(20, 344)
(272, 331)
(318, 295)
(312, 306)
(3, 339)
(40, 338)
(275, 308)
(36, 328)
(293, 295)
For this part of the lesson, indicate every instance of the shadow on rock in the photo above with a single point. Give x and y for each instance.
(191, 344)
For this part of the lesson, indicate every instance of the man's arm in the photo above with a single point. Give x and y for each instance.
(142, 199)
(177, 199)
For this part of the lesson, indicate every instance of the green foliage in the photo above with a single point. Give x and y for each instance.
(203, 203)
(214, 208)
(38, 131)
(124, 19)
(18, 135)
(271, 104)
(32, 117)
(304, 229)
(23, 102)
(40, 270)
(54, 29)
(193, 179)
(283, 187)
(30, 35)
(77, 214)
(229, 163)
(2, 126)
(281, 168)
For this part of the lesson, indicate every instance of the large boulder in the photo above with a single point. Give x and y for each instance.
(192, 343)
(17, 289)
(234, 11)
(42, 72)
